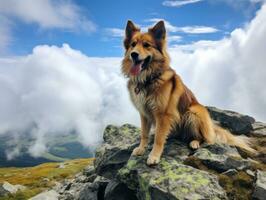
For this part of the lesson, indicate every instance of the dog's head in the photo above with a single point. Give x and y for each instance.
(144, 52)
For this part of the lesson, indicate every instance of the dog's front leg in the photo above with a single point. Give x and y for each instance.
(145, 129)
(163, 126)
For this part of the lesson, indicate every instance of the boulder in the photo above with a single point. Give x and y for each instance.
(221, 161)
(116, 149)
(170, 179)
(160, 182)
(95, 190)
(47, 195)
(7, 188)
(116, 190)
(259, 129)
(235, 122)
(260, 186)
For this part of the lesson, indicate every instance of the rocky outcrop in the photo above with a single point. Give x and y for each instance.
(212, 172)
(260, 185)
(47, 195)
(7, 188)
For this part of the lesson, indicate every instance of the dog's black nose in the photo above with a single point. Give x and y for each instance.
(135, 56)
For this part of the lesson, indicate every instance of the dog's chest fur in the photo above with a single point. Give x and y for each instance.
(143, 102)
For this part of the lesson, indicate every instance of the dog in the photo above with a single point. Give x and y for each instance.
(162, 99)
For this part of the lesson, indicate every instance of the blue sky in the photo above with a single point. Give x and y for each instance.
(106, 20)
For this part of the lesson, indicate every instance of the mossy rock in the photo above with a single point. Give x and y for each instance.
(170, 179)
(116, 149)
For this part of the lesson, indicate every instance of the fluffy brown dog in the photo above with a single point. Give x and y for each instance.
(161, 97)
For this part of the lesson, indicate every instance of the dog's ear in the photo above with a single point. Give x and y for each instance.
(131, 29)
(159, 33)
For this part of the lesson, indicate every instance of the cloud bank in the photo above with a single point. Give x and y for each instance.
(229, 73)
(48, 14)
(59, 89)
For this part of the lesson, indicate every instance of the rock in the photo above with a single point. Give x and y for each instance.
(258, 125)
(118, 191)
(235, 122)
(72, 192)
(118, 145)
(95, 190)
(221, 162)
(259, 129)
(61, 166)
(47, 195)
(230, 172)
(7, 188)
(260, 186)
(169, 180)
(90, 170)
(3, 191)
(250, 172)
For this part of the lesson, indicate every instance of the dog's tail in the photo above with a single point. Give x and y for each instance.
(224, 136)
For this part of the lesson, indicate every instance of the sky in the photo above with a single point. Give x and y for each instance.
(96, 27)
(60, 61)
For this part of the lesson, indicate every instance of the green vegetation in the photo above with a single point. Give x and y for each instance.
(41, 177)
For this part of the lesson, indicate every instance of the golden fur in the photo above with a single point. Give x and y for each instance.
(161, 97)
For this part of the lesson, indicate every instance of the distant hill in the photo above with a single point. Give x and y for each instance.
(60, 148)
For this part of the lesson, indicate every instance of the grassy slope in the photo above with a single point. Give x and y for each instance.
(36, 178)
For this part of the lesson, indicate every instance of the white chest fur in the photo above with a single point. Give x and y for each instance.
(142, 103)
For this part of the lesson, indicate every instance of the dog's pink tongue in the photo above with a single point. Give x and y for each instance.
(135, 69)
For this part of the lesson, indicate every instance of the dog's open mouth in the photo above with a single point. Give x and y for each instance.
(139, 65)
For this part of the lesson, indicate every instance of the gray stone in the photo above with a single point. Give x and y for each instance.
(260, 186)
(118, 145)
(259, 132)
(235, 122)
(250, 172)
(95, 190)
(47, 195)
(169, 180)
(118, 191)
(90, 170)
(258, 125)
(230, 172)
(7, 188)
(221, 162)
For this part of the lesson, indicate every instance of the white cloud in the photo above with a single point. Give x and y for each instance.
(197, 29)
(185, 29)
(5, 34)
(115, 32)
(229, 73)
(179, 3)
(48, 14)
(174, 38)
(202, 44)
(59, 89)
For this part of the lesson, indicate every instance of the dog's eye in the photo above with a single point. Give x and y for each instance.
(133, 44)
(146, 45)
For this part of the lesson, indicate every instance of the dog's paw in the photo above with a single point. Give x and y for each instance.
(153, 160)
(194, 144)
(138, 151)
